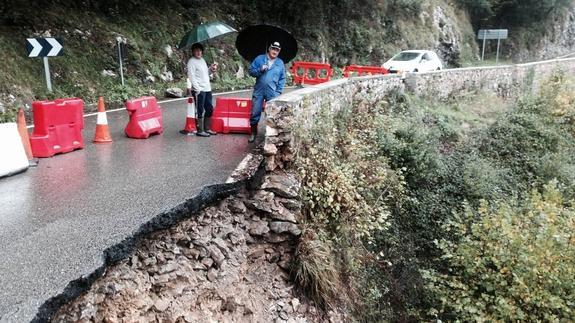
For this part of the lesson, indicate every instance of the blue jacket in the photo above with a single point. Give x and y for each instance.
(271, 82)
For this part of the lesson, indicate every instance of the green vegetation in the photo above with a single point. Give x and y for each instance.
(8, 114)
(513, 261)
(341, 33)
(464, 211)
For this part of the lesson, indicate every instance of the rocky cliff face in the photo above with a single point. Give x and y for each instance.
(557, 38)
(561, 38)
(448, 41)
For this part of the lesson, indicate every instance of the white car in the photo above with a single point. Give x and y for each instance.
(413, 61)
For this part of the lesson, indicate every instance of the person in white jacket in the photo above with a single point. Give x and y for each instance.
(199, 76)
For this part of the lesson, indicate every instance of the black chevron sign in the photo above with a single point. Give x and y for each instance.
(44, 47)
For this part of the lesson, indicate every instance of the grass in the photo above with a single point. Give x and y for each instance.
(315, 270)
(89, 49)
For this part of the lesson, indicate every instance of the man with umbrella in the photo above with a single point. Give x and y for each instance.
(199, 76)
(269, 71)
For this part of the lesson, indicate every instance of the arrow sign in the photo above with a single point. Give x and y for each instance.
(44, 47)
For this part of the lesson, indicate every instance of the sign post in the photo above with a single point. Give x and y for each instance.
(45, 47)
(498, 34)
(121, 44)
(47, 73)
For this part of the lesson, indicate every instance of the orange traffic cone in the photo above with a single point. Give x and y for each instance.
(102, 134)
(23, 130)
(190, 127)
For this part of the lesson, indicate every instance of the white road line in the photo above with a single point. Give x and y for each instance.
(165, 101)
(159, 102)
(243, 164)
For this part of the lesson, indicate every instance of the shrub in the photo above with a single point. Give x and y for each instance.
(514, 262)
(346, 187)
(344, 182)
(8, 114)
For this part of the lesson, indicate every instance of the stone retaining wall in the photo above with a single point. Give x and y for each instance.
(504, 80)
(304, 104)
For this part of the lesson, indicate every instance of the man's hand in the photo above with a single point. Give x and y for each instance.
(264, 68)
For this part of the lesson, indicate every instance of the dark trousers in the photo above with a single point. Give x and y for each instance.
(258, 98)
(204, 104)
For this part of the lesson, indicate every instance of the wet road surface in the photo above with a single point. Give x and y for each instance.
(56, 219)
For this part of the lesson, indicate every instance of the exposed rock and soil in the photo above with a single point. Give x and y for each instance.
(229, 263)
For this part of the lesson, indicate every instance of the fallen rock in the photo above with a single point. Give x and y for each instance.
(237, 206)
(284, 185)
(295, 304)
(279, 212)
(167, 76)
(262, 201)
(290, 204)
(270, 149)
(207, 262)
(258, 228)
(222, 246)
(160, 305)
(212, 274)
(230, 304)
(174, 92)
(108, 73)
(191, 253)
(236, 238)
(278, 238)
(216, 255)
(281, 227)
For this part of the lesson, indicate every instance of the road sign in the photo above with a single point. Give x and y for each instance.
(44, 47)
(492, 34)
(485, 34)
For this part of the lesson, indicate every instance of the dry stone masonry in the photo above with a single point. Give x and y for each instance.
(303, 105)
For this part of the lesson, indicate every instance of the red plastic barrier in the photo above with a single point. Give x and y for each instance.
(364, 70)
(58, 127)
(232, 115)
(145, 118)
(311, 73)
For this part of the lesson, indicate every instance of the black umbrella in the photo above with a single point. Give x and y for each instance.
(255, 40)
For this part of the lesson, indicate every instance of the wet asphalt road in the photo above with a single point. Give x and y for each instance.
(56, 219)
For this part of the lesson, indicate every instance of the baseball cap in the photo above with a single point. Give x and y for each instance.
(275, 45)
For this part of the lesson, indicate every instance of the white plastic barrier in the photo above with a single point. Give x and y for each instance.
(13, 158)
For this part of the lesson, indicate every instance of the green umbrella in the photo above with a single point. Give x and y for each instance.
(204, 32)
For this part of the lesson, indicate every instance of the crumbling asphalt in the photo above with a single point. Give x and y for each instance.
(62, 222)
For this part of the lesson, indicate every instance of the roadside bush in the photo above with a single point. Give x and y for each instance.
(345, 183)
(8, 114)
(515, 261)
(346, 187)
(437, 160)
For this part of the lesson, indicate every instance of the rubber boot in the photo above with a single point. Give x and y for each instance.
(254, 133)
(201, 132)
(208, 124)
